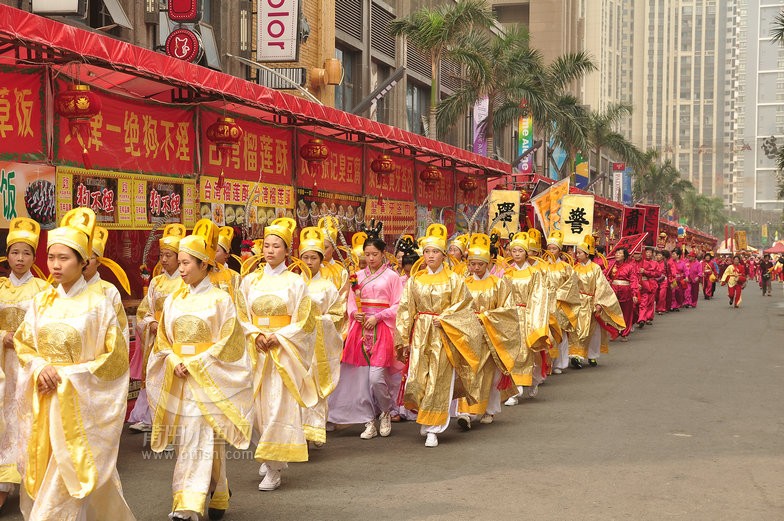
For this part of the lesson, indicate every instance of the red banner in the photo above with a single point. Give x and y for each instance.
(633, 221)
(22, 123)
(341, 172)
(132, 136)
(263, 149)
(442, 194)
(476, 197)
(630, 242)
(651, 223)
(399, 185)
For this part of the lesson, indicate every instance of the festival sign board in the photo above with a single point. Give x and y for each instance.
(504, 211)
(228, 205)
(577, 212)
(22, 121)
(651, 223)
(399, 217)
(630, 242)
(633, 222)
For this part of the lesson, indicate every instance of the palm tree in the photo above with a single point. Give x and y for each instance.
(662, 185)
(602, 135)
(434, 30)
(780, 173)
(777, 31)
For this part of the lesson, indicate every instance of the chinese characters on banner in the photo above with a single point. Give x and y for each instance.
(126, 201)
(132, 136)
(263, 149)
(341, 172)
(651, 223)
(557, 192)
(348, 209)
(630, 242)
(740, 241)
(399, 217)
(22, 121)
(399, 185)
(617, 181)
(27, 190)
(442, 195)
(475, 198)
(504, 207)
(633, 222)
(577, 213)
(227, 206)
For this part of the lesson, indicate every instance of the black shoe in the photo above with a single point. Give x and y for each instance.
(641, 324)
(576, 363)
(649, 322)
(464, 422)
(215, 513)
(593, 362)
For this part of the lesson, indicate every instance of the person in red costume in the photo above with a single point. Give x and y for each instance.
(649, 271)
(709, 275)
(662, 281)
(734, 278)
(676, 280)
(625, 284)
(695, 276)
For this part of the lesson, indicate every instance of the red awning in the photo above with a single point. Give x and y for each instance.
(115, 65)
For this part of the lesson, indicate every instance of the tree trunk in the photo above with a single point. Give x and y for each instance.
(435, 93)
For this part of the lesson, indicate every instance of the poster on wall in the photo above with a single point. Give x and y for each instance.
(349, 210)
(399, 217)
(28, 190)
(22, 121)
(340, 172)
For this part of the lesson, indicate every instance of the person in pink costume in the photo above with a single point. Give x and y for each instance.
(625, 284)
(649, 271)
(677, 280)
(695, 276)
(662, 282)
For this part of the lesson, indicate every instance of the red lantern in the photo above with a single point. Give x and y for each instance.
(314, 152)
(468, 185)
(381, 166)
(225, 133)
(78, 105)
(430, 177)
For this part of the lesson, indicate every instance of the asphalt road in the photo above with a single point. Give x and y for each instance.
(682, 422)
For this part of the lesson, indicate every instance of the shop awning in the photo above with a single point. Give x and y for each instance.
(119, 66)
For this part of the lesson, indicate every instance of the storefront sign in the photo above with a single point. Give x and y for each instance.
(399, 217)
(228, 206)
(278, 31)
(22, 124)
(441, 194)
(617, 181)
(341, 172)
(398, 185)
(126, 201)
(184, 44)
(263, 150)
(475, 197)
(132, 136)
(577, 214)
(27, 190)
(348, 209)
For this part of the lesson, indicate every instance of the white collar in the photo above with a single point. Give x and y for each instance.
(21, 280)
(201, 287)
(487, 274)
(78, 286)
(280, 268)
(95, 280)
(439, 270)
(317, 276)
(175, 275)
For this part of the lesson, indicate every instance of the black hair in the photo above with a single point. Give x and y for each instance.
(665, 254)
(321, 255)
(200, 262)
(8, 248)
(708, 254)
(625, 253)
(600, 249)
(376, 243)
(409, 259)
(678, 252)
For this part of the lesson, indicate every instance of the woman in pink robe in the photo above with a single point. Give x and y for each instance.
(708, 270)
(695, 275)
(650, 270)
(663, 282)
(677, 280)
(625, 284)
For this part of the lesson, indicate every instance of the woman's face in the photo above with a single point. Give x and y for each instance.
(619, 258)
(64, 265)
(20, 258)
(192, 270)
(519, 255)
(455, 252)
(274, 250)
(312, 260)
(581, 255)
(374, 257)
(168, 260)
(659, 257)
(736, 261)
(554, 250)
(221, 256)
(433, 257)
(477, 267)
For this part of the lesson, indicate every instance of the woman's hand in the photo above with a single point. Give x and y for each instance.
(48, 379)
(180, 371)
(635, 299)
(153, 328)
(8, 340)
(359, 317)
(261, 343)
(272, 341)
(437, 322)
(597, 308)
(370, 323)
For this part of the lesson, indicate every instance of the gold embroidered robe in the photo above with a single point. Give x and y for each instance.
(150, 309)
(594, 290)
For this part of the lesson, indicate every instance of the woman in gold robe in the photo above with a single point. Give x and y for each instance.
(598, 311)
(330, 312)
(494, 309)
(72, 389)
(564, 298)
(222, 276)
(530, 297)
(437, 331)
(148, 316)
(16, 295)
(198, 381)
(280, 326)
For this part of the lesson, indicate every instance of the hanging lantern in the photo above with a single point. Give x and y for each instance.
(381, 166)
(314, 152)
(78, 105)
(430, 177)
(225, 133)
(468, 185)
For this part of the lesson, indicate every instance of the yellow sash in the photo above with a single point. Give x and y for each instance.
(272, 321)
(191, 349)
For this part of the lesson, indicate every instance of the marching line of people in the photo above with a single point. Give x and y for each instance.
(273, 358)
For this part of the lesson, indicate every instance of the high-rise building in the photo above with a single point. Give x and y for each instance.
(760, 104)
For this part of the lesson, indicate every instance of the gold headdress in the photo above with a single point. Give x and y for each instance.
(311, 239)
(520, 240)
(22, 229)
(75, 231)
(435, 237)
(460, 242)
(100, 238)
(358, 244)
(282, 227)
(534, 240)
(225, 236)
(172, 234)
(588, 245)
(556, 237)
(203, 242)
(479, 248)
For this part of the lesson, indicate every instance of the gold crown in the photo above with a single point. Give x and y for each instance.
(225, 236)
(172, 235)
(460, 242)
(588, 245)
(22, 229)
(556, 237)
(311, 239)
(435, 237)
(75, 231)
(520, 240)
(534, 239)
(100, 238)
(479, 248)
(258, 247)
(329, 225)
(203, 242)
(282, 227)
(358, 243)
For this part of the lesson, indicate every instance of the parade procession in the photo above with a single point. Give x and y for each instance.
(206, 275)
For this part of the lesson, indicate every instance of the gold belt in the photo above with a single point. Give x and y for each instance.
(272, 321)
(618, 282)
(158, 316)
(190, 349)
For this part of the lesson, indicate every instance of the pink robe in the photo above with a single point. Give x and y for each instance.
(625, 284)
(695, 274)
(649, 272)
(663, 284)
